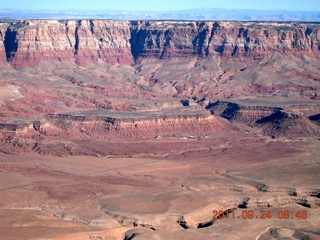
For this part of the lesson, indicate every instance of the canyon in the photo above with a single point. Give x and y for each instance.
(141, 129)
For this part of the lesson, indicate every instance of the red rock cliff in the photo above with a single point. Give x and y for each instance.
(26, 43)
(251, 39)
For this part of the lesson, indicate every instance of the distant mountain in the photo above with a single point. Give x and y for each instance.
(213, 14)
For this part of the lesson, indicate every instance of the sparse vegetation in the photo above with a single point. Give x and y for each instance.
(143, 87)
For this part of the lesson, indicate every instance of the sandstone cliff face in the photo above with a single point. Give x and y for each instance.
(258, 40)
(85, 41)
(107, 40)
(167, 39)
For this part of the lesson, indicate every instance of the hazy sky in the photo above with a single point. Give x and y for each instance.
(161, 5)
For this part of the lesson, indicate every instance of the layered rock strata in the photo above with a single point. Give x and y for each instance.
(25, 43)
(84, 41)
(113, 128)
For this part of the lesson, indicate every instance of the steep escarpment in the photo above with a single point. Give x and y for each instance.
(105, 40)
(171, 39)
(230, 39)
(25, 43)
(84, 41)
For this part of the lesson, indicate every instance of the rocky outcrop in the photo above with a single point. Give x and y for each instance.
(27, 42)
(240, 113)
(286, 123)
(274, 121)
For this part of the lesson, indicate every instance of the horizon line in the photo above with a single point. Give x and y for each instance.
(160, 11)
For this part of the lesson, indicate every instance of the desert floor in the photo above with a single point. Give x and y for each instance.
(169, 192)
